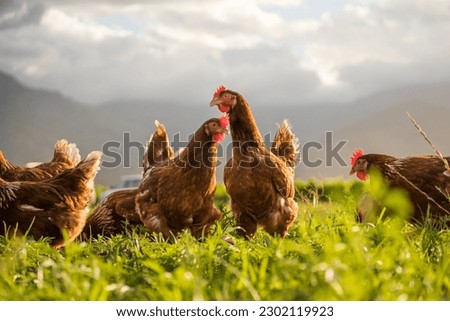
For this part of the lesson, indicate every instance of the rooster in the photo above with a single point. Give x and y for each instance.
(110, 217)
(65, 156)
(259, 180)
(51, 208)
(425, 179)
(178, 194)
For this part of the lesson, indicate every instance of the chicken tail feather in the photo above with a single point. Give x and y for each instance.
(286, 144)
(91, 164)
(66, 153)
(5, 165)
(158, 148)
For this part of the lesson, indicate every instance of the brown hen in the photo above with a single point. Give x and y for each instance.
(117, 210)
(49, 208)
(179, 194)
(424, 178)
(259, 180)
(112, 215)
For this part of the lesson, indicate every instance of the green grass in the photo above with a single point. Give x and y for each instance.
(327, 256)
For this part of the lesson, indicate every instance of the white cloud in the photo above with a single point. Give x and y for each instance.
(393, 33)
(57, 21)
(96, 51)
(281, 3)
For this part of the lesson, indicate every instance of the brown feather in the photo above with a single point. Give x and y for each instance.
(285, 145)
(65, 156)
(423, 177)
(259, 182)
(179, 195)
(110, 216)
(158, 148)
(47, 207)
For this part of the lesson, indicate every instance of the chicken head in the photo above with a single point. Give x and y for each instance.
(360, 165)
(224, 99)
(217, 128)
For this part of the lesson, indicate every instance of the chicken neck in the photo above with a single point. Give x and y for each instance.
(243, 125)
(199, 153)
(379, 160)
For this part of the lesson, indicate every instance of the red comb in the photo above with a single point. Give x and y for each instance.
(223, 121)
(219, 90)
(356, 154)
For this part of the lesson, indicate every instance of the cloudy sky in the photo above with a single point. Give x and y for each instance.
(293, 51)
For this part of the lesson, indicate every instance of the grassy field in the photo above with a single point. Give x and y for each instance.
(327, 256)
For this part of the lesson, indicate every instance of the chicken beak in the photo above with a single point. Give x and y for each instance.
(225, 131)
(352, 171)
(215, 102)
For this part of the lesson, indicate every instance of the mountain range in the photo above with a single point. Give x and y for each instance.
(31, 120)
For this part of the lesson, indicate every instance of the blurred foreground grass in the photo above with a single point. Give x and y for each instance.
(327, 256)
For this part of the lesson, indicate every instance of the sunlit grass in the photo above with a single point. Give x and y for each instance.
(326, 256)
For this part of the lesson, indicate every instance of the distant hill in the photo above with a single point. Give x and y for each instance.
(390, 131)
(31, 120)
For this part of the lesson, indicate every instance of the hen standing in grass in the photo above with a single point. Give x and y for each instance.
(65, 156)
(111, 216)
(424, 178)
(260, 181)
(179, 193)
(46, 208)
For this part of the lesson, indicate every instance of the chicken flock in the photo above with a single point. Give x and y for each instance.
(176, 192)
